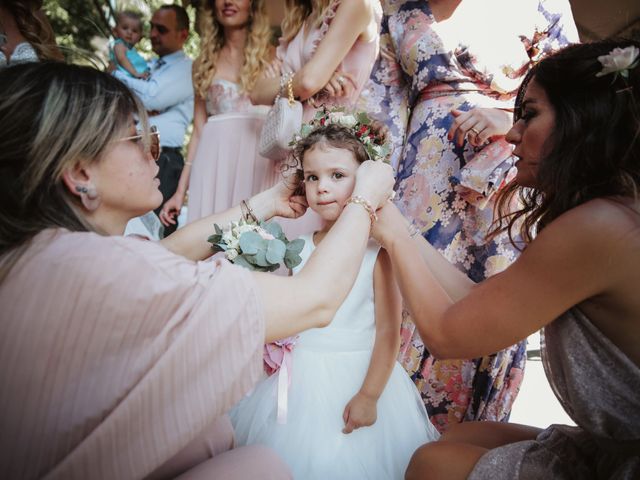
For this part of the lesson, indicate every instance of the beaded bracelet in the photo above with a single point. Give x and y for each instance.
(357, 199)
(247, 212)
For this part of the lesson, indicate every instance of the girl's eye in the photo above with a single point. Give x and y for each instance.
(338, 175)
(311, 178)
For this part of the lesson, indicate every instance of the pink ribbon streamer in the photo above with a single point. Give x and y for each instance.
(284, 382)
(278, 358)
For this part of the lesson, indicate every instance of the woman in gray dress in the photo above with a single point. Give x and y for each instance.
(577, 143)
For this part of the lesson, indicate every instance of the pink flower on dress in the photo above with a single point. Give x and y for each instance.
(274, 352)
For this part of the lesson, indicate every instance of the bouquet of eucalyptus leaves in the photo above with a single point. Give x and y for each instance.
(257, 246)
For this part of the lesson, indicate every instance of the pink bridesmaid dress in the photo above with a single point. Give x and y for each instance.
(227, 167)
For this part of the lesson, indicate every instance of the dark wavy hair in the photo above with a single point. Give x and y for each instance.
(594, 150)
(333, 135)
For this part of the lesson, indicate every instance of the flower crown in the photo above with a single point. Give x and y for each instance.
(358, 123)
(619, 61)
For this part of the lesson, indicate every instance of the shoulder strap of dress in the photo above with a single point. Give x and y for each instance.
(327, 18)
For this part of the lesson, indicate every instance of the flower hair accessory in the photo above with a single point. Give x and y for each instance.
(619, 61)
(359, 123)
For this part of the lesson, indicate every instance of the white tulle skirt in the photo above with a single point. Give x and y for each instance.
(312, 442)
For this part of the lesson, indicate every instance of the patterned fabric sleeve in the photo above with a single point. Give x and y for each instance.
(385, 95)
(554, 30)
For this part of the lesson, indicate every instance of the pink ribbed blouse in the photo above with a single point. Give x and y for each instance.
(115, 353)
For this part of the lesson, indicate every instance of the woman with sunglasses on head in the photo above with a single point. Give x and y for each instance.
(577, 146)
(120, 357)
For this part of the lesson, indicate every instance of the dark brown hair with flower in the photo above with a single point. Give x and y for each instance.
(594, 150)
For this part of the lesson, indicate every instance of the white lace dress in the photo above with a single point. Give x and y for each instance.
(23, 53)
(328, 368)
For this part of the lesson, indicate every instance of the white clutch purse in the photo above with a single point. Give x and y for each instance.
(283, 121)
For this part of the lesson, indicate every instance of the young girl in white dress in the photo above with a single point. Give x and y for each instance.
(352, 411)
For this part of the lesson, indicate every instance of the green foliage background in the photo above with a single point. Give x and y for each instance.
(83, 27)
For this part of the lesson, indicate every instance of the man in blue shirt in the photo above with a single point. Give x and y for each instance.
(168, 94)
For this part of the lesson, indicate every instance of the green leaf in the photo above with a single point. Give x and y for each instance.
(261, 258)
(241, 261)
(362, 117)
(295, 246)
(276, 250)
(292, 260)
(251, 243)
(274, 229)
(216, 248)
(218, 230)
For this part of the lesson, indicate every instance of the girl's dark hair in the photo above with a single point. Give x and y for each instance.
(333, 135)
(594, 150)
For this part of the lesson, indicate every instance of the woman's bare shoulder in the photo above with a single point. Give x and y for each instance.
(614, 217)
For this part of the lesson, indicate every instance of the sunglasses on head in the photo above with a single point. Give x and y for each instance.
(154, 145)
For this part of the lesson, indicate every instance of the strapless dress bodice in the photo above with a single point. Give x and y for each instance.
(225, 96)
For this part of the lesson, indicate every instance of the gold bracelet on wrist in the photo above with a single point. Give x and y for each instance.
(247, 212)
(357, 199)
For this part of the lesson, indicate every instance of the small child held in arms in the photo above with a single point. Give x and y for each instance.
(127, 33)
(344, 377)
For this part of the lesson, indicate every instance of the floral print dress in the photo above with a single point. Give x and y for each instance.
(476, 58)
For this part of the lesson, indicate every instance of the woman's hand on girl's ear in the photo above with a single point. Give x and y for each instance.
(374, 182)
(286, 202)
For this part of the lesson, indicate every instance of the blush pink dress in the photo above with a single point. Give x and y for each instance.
(118, 355)
(227, 167)
(358, 62)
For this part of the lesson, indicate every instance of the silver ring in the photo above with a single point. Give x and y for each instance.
(341, 80)
(476, 132)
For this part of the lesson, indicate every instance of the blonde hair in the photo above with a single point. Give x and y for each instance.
(61, 116)
(256, 49)
(297, 11)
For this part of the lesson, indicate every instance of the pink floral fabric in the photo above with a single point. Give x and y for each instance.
(476, 58)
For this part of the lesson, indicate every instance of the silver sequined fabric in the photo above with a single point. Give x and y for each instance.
(23, 53)
(599, 387)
